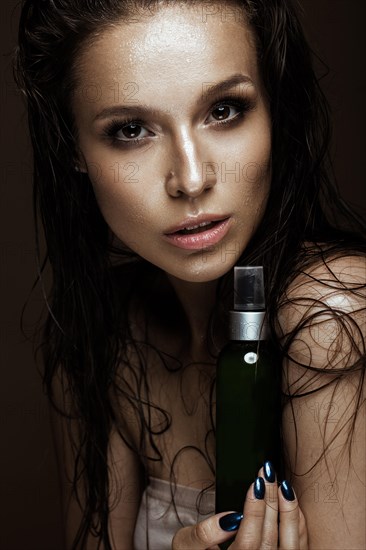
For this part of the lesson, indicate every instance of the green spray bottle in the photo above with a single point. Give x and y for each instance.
(247, 395)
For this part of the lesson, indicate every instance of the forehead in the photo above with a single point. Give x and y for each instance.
(177, 49)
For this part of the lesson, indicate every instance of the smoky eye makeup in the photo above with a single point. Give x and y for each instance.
(230, 110)
(126, 132)
(224, 113)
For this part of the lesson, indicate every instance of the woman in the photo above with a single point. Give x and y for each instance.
(173, 141)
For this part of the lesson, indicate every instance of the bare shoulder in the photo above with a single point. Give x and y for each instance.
(335, 271)
(322, 326)
(338, 282)
(321, 317)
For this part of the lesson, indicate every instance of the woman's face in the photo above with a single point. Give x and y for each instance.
(174, 132)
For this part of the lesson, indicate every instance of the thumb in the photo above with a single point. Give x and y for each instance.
(213, 530)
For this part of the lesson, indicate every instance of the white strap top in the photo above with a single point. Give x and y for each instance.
(160, 517)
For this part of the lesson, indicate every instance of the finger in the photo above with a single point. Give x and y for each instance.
(209, 532)
(303, 530)
(289, 517)
(270, 527)
(249, 535)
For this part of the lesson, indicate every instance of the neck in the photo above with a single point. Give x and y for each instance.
(198, 300)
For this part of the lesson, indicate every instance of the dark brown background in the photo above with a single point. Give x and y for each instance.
(29, 514)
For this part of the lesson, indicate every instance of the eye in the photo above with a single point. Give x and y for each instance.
(229, 110)
(223, 112)
(130, 132)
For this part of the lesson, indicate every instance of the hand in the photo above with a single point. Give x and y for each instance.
(259, 528)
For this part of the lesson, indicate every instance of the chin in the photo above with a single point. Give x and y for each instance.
(206, 272)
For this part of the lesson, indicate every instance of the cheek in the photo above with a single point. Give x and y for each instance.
(116, 183)
(252, 195)
(255, 171)
(259, 172)
(253, 204)
(250, 148)
(122, 204)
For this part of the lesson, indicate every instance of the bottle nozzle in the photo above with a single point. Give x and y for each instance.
(249, 288)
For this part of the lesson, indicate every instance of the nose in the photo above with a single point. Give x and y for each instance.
(189, 175)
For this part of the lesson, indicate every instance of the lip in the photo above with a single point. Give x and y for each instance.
(193, 221)
(204, 239)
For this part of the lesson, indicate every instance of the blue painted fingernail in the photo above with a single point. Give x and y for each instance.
(259, 488)
(269, 471)
(287, 490)
(230, 522)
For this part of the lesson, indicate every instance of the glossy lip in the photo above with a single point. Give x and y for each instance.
(199, 241)
(192, 221)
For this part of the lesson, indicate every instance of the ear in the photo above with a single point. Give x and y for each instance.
(80, 168)
(80, 163)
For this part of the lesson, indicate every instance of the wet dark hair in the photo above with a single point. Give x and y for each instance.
(87, 335)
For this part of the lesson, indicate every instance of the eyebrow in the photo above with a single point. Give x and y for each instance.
(208, 89)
